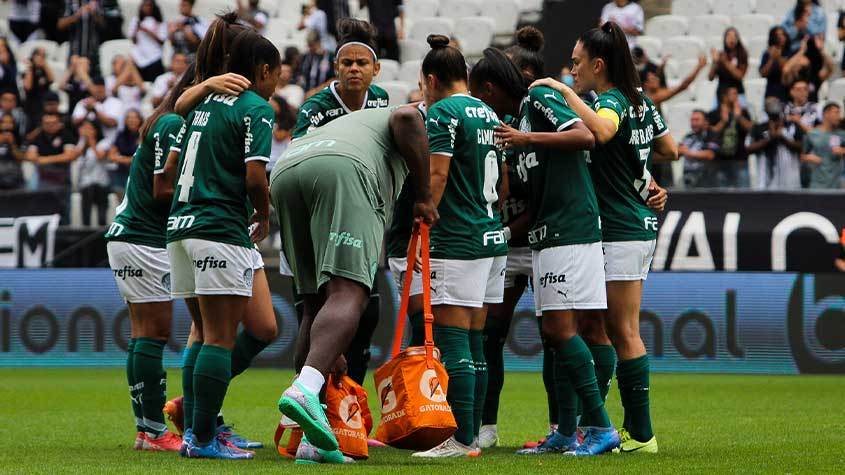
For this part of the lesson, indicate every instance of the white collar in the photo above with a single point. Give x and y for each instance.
(340, 101)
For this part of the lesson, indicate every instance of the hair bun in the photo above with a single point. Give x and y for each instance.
(351, 29)
(437, 41)
(530, 38)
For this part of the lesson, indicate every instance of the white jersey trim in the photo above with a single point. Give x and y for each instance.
(567, 124)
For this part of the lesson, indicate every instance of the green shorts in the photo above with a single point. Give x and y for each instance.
(332, 220)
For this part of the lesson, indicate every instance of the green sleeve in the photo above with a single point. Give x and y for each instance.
(551, 107)
(258, 132)
(176, 146)
(607, 101)
(164, 139)
(303, 122)
(660, 128)
(442, 127)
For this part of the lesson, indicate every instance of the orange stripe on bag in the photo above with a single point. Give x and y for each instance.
(412, 386)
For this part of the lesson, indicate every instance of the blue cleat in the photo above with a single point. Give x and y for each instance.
(216, 449)
(226, 432)
(597, 441)
(187, 439)
(555, 443)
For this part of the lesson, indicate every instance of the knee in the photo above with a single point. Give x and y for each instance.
(267, 332)
(622, 334)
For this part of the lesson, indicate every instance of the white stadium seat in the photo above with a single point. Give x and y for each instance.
(755, 91)
(459, 8)
(753, 25)
(676, 115)
(409, 72)
(753, 68)
(705, 92)
(110, 49)
(474, 34)
(756, 46)
(389, 70)
(708, 25)
(836, 92)
(412, 50)
(530, 5)
(683, 47)
(824, 92)
(425, 26)
(679, 68)
(651, 45)
(776, 8)
(666, 26)
(733, 8)
(24, 51)
(687, 95)
(397, 91)
(504, 12)
(420, 8)
(714, 42)
(691, 7)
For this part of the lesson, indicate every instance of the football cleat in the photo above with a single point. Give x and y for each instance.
(555, 443)
(187, 438)
(475, 449)
(225, 431)
(531, 443)
(175, 413)
(597, 441)
(305, 409)
(167, 442)
(307, 454)
(139, 441)
(629, 444)
(449, 448)
(216, 449)
(488, 436)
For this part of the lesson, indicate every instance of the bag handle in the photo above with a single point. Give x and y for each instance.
(419, 234)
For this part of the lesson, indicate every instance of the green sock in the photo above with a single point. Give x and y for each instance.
(417, 329)
(632, 377)
(578, 363)
(212, 374)
(134, 395)
(455, 353)
(495, 335)
(479, 362)
(564, 395)
(149, 372)
(604, 357)
(549, 385)
(247, 347)
(189, 359)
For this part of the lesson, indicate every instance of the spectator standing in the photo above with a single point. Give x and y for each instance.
(252, 15)
(291, 93)
(806, 19)
(773, 61)
(52, 151)
(840, 30)
(317, 66)
(50, 106)
(100, 108)
(811, 63)
(699, 149)
(383, 15)
(51, 12)
(628, 15)
(730, 64)
(25, 19)
(9, 106)
(36, 82)
(163, 83)
(187, 30)
(93, 175)
(8, 68)
(314, 19)
(122, 150)
(777, 145)
(77, 80)
(282, 128)
(125, 82)
(82, 21)
(336, 10)
(800, 111)
(11, 175)
(731, 122)
(112, 28)
(659, 93)
(823, 150)
(149, 32)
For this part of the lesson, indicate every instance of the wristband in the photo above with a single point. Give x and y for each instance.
(506, 231)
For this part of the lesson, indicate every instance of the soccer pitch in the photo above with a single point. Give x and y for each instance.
(78, 420)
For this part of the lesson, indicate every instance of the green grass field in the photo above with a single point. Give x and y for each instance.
(78, 420)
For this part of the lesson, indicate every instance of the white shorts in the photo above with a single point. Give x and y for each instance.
(142, 272)
(520, 263)
(201, 267)
(471, 283)
(398, 268)
(257, 260)
(627, 260)
(284, 267)
(569, 278)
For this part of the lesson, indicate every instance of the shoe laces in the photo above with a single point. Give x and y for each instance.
(624, 435)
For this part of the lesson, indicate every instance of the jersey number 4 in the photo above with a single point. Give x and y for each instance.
(186, 176)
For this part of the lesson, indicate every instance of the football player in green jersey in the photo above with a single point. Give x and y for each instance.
(468, 246)
(138, 258)
(356, 65)
(222, 149)
(629, 132)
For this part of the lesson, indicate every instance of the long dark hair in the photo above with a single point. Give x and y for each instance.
(155, 14)
(253, 50)
(609, 44)
(168, 105)
(213, 51)
(445, 62)
(496, 68)
(526, 52)
(740, 51)
(773, 36)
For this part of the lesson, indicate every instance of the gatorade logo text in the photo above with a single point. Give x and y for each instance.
(430, 387)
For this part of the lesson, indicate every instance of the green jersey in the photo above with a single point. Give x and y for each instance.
(364, 137)
(219, 136)
(620, 169)
(140, 219)
(402, 221)
(326, 106)
(470, 227)
(518, 200)
(562, 197)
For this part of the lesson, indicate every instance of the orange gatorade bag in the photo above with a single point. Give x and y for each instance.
(412, 386)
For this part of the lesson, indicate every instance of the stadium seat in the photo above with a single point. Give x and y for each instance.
(207, 9)
(409, 72)
(836, 92)
(278, 30)
(776, 8)
(530, 5)
(733, 8)
(824, 92)
(756, 46)
(651, 45)
(708, 25)
(714, 42)
(412, 50)
(420, 8)
(423, 27)
(474, 34)
(25, 49)
(755, 91)
(389, 70)
(110, 49)
(678, 68)
(676, 115)
(753, 25)
(691, 7)
(667, 26)
(683, 47)
(753, 68)
(397, 91)
(505, 13)
(705, 92)
(687, 95)
(459, 8)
